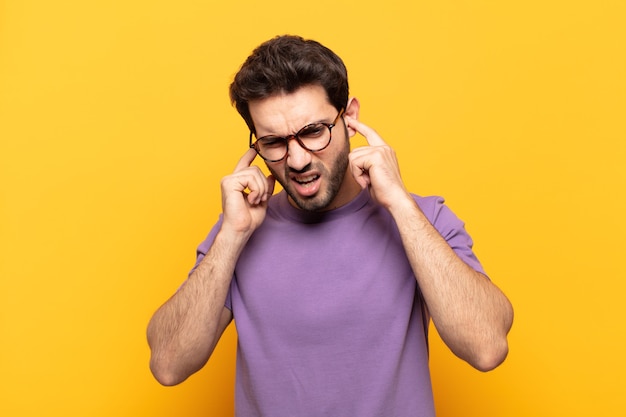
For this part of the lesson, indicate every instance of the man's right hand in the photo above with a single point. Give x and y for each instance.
(245, 194)
(184, 331)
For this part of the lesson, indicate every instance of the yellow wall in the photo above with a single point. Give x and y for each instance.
(115, 128)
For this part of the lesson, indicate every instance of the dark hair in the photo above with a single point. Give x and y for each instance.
(283, 65)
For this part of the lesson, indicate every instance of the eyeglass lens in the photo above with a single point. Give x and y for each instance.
(313, 137)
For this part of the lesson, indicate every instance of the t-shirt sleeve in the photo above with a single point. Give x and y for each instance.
(451, 228)
(202, 250)
(204, 247)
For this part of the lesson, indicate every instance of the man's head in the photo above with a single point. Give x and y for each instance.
(283, 65)
(289, 86)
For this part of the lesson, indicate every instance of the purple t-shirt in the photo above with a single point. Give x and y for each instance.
(328, 314)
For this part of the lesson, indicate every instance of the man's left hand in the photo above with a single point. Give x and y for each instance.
(376, 166)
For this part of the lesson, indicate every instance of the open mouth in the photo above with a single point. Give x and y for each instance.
(306, 180)
(306, 185)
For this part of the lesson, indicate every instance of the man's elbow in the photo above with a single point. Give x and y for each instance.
(165, 375)
(495, 349)
(491, 357)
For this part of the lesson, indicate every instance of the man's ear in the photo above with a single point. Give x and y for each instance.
(352, 110)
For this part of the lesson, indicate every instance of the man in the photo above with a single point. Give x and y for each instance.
(332, 282)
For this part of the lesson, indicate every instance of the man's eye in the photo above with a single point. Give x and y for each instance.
(312, 131)
(271, 142)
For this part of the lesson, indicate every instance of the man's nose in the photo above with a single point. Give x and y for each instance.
(297, 156)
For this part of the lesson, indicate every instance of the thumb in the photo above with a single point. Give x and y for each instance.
(271, 182)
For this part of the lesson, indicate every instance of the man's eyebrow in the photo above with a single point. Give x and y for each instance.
(276, 135)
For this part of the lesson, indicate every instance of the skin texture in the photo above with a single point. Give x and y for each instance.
(329, 184)
(470, 313)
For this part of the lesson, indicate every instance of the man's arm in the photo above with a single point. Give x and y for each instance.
(470, 313)
(184, 331)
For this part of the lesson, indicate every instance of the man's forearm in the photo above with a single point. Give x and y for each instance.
(184, 331)
(470, 313)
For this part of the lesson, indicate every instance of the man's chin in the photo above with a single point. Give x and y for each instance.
(316, 202)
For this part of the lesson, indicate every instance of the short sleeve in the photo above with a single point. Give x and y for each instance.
(451, 228)
(201, 252)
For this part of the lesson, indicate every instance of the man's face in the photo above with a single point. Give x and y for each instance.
(314, 181)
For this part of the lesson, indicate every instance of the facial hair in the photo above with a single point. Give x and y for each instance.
(334, 178)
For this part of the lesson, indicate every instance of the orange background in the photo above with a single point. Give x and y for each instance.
(115, 128)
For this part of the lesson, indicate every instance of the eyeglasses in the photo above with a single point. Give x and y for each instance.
(313, 137)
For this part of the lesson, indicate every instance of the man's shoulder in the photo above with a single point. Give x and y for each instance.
(430, 205)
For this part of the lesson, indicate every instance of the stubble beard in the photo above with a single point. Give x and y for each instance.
(334, 179)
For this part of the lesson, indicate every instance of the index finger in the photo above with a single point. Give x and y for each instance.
(373, 139)
(246, 160)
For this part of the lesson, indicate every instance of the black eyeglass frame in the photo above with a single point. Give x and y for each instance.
(295, 136)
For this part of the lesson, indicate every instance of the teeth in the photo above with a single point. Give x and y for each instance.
(306, 179)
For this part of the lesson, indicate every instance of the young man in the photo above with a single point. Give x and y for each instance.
(333, 281)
